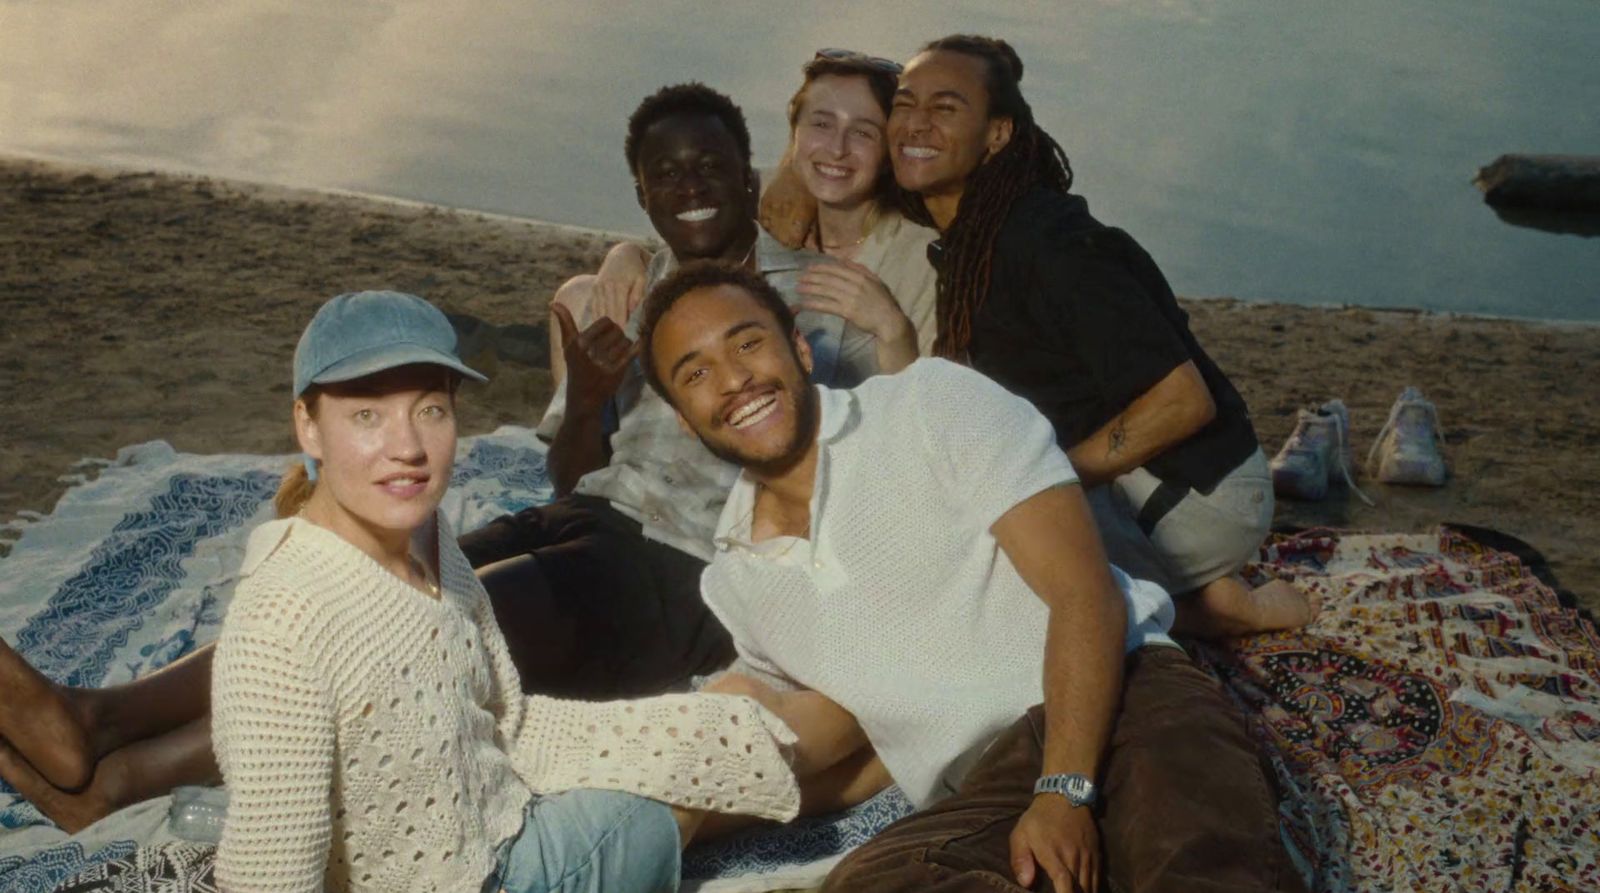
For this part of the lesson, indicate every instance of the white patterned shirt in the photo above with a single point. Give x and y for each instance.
(666, 479)
(901, 606)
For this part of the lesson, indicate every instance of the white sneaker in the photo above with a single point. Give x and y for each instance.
(1407, 449)
(1320, 445)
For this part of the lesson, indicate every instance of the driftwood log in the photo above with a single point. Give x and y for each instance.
(1565, 182)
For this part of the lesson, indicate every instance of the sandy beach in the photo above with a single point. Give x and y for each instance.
(140, 306)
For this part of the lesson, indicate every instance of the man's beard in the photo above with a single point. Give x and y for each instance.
(806, 412)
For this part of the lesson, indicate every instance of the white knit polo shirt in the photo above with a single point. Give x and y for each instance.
(901, 606)
(374, 738)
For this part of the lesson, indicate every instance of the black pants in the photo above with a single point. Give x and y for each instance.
(589, 607)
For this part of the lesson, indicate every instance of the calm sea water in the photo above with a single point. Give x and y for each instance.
(1268, 149)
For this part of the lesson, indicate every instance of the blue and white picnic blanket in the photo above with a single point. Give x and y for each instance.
(135, 568)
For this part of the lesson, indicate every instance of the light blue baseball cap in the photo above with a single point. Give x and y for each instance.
(360, 333)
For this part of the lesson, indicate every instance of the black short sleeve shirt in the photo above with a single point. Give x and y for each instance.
(1080, 321)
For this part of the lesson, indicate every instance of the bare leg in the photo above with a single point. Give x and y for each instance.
(64, 731)
(144, 769)
(853, 780)
(152, 705)
(576, 294)
(43, 722)
(1227, 607)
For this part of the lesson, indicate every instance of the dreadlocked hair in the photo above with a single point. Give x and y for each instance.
(1032, 159)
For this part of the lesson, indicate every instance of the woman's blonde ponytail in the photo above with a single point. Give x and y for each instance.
(296, 488)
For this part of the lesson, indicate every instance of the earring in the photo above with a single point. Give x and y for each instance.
(310, 465)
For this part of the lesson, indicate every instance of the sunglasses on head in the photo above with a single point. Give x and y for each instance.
(878, 62)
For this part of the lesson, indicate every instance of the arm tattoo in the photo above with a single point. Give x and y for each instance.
(1116, 437)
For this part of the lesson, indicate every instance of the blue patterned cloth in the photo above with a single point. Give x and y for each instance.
(799, 852)
(135, 568)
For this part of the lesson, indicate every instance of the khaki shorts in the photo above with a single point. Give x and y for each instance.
(1202, 538)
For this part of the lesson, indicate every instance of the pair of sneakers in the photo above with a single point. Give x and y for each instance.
(1317, 454)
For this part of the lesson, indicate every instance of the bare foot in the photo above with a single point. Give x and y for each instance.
(37, 718)
(72, 811)
(1227, 608)
(1279, 604)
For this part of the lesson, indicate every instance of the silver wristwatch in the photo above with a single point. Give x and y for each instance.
(1078, 789)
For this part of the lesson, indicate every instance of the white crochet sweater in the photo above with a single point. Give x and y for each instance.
(373, 738)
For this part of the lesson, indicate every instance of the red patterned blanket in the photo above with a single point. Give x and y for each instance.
(1437, 728)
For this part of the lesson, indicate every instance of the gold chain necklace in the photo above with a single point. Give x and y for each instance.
(429, 585)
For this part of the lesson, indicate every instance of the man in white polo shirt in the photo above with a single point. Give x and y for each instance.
(918, 552)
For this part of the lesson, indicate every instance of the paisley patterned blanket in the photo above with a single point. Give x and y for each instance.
(1438, 728)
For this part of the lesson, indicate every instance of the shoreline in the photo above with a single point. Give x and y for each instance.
(1445, 315)
(147, 305)
(281, 192)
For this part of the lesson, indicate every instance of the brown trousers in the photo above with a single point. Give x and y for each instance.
(1184, 803)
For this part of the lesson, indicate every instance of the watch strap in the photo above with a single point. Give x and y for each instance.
(1077, 788)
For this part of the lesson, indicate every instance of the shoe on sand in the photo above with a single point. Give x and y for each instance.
(1300, 469)
(1407, 449)
(1318, 447)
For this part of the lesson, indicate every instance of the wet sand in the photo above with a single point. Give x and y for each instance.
(139, 306)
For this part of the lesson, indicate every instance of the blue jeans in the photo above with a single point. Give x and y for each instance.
(590, 841)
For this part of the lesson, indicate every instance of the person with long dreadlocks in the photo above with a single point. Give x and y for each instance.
(1076, 317)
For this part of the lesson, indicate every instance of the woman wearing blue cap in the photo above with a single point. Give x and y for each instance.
(366, 716)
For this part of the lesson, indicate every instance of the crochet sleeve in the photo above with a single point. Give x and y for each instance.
(705, 751)
(273, 730)
(714, 752)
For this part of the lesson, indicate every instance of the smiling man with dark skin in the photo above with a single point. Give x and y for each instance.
(919, 552)
(598, 592)
(693, 185)
(1076, 317)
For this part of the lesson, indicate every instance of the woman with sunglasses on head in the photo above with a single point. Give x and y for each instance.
(833, 192)
(839, 153)
(368, 720)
